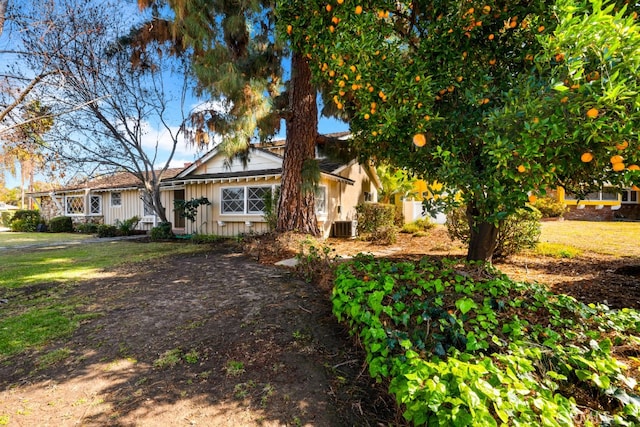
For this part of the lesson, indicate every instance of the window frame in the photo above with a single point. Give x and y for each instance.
(245, 199)
(66, 204)
(322, 189)
(93, 197)
(629, 194)
(119, 199)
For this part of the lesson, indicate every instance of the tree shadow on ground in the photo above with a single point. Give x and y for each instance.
(212, 338)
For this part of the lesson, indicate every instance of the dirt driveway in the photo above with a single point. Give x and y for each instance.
(213, 339)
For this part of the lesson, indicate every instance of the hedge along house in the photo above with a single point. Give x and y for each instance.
(102, 200)
(237, 192)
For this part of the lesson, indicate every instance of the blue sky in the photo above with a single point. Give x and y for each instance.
(157, 135)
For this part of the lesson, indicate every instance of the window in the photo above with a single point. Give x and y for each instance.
(233, 200)
(147, 205)
(368, 197)
(116, 200)
(629, 196)
(95, 204)
(607, 194)
(321, 199)
(74, 205)
(243, 200)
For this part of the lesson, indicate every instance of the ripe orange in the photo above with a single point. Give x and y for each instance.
(536, 120)
(559, 57)
(618, 167)
(622, 145)
(522, 169)
(332, 73)
(532, 198)
(417, 78)
(331, 28)
(366, 116)
(459, 79)
(486, 10)
(491, 36)
(289, 29)
(419, 140)
(564, 100)
(492, 61)
(586, 157)
(328, 8)
(340, 1)
(634, 168)
(616, 159)
(592, 113)
(358, 10)
(541, 28)
(335, 20)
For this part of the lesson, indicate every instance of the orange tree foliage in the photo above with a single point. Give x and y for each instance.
(496, 99)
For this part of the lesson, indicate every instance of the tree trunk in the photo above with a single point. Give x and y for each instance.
(483, 237)
(296, 209)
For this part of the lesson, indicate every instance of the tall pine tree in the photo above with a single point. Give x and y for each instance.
(237, 60)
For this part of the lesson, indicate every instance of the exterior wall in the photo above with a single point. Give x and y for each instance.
(210, 219)
(131, 205)
(590, 213)
(628, 212)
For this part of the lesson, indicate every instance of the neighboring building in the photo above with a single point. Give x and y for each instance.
(605, 205)
(236, 192)
(4, 207)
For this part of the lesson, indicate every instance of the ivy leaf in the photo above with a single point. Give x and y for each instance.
(465, 304)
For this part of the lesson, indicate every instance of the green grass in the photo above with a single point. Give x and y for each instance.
(607, 238)
(557, 250)
(20, 268)
(35, 280)
(12, 240)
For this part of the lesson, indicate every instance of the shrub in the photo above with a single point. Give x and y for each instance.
(516, 233)
(418, 226)
(126, 227)
(5, 218)
(376, 222)
(316, 262)
(61, 224)
(25, 220)
(105, 230)
(459, 344)
(87, 228)
(162, 232)
(550, 207)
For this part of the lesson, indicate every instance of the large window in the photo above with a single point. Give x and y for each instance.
(243, 200)
(116, 199)
(74, 205)
(607, 194)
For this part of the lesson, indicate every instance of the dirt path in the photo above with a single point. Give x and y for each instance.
(213, 339)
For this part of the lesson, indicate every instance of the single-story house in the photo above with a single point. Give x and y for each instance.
(103, 200)
(236, 191)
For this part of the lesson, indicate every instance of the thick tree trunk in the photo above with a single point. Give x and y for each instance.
(296, 209)
(483, 237)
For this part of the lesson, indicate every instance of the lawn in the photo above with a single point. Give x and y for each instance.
(12, 240)
(608, 238)
(33, 281)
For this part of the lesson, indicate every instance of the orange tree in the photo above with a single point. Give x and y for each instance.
(497, 100)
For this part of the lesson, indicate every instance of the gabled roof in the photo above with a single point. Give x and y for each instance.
(328, 168)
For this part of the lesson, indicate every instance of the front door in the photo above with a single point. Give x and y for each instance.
(178, 219)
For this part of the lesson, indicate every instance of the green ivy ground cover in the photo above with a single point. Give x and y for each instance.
(463, 346)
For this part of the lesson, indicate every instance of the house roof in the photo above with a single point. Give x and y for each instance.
(116, 181)
(243, 175)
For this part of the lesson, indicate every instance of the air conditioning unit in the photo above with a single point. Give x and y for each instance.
(344, 229)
